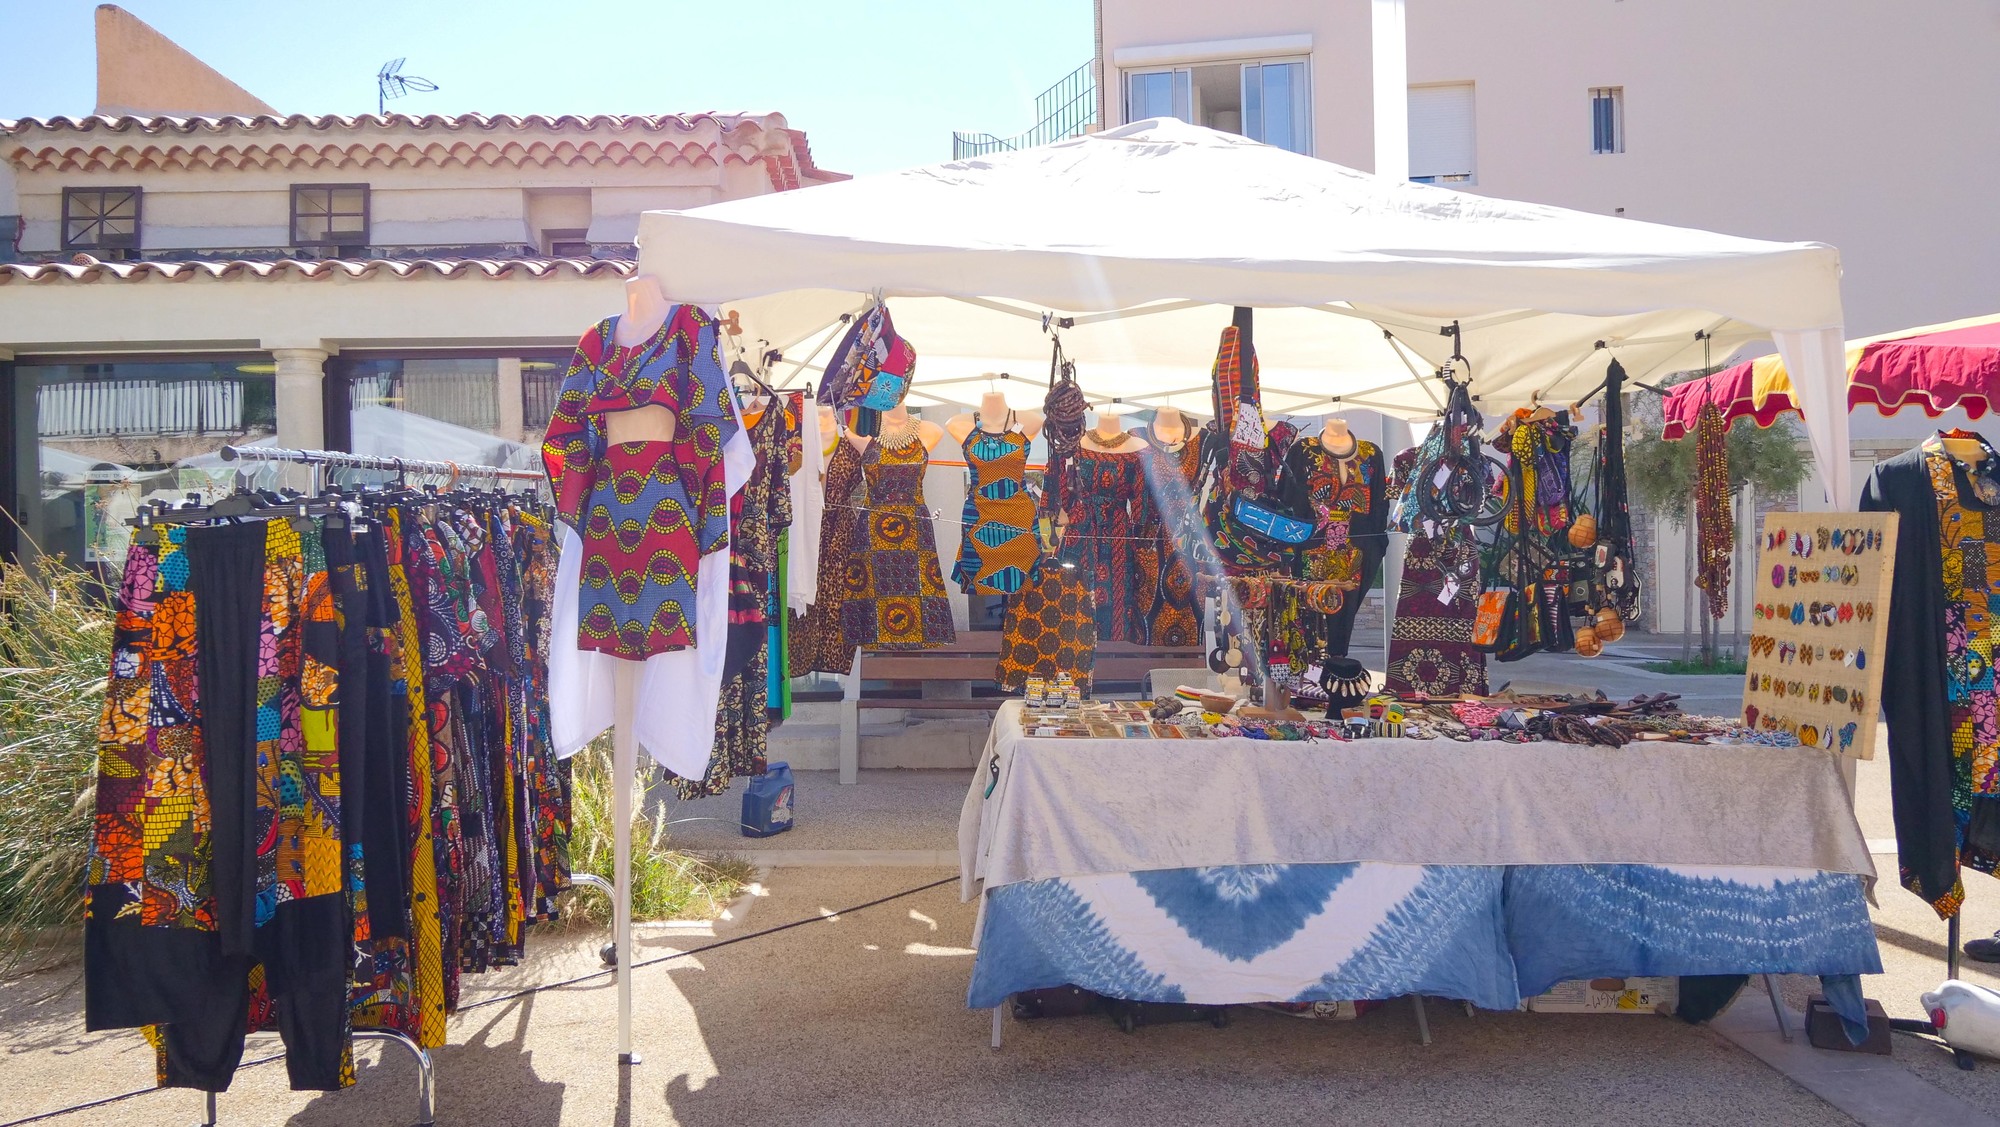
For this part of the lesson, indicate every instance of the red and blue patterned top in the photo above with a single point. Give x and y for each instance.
(646, 511)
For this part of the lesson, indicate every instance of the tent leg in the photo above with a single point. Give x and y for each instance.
(1951, 947)
(1778, 1007)
(208, 1116)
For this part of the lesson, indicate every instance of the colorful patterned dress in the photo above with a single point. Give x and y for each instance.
(998, 553)
(1106, 491)
(894, 595)
(1165, 572)
(1049, 628)
(818, 645)
(764, 512)
(646, 511)
(1969, 522)
(1346, 494)
(1430, 642)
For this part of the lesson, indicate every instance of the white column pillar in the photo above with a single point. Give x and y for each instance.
(1392, 90)
(512, 426)
(301, 402)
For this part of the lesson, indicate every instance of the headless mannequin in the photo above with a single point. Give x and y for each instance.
(829, 429)
(646, 309)
(893, 421)
(1967, 450)
(1170, 427)
(1109, 436)
(1337, 440)
(992, 419)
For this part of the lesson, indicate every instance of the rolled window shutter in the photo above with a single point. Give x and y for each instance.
(1442, 145)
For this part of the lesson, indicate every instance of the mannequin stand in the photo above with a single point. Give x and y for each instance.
(624, 766)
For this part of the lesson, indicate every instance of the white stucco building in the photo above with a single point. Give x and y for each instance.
(186, 268)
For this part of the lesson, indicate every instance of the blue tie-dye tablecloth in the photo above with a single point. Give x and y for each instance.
(1349, 928)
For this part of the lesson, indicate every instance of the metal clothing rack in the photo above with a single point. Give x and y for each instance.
(426, 1077)
(322, 460)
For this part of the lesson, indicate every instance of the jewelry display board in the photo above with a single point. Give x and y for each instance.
(1820, 613)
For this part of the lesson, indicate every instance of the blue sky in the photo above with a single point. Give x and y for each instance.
(872, 92)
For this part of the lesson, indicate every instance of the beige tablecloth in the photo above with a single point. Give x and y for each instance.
(1071, 807)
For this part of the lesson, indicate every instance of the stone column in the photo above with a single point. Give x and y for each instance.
(512, 425)
(301, 402)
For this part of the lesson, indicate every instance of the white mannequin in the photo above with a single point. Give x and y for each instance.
(895, 419)
(646, 309)
(1109, 436)
(829, 428)
(992, 419)
(1337, 440)
(1170, 427)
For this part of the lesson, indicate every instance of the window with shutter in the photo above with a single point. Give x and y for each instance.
(1442, 142)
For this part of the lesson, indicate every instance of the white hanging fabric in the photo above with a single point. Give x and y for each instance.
(808, 507)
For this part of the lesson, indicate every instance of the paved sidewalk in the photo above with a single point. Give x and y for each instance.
(861, 1020)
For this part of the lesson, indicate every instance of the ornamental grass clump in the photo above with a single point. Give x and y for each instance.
(667, 884)
(55, 648)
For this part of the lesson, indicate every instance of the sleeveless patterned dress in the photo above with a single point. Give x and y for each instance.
(998, 554)
(894, 589)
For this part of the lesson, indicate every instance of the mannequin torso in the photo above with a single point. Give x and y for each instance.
(991, 418)
(1110, 437)
(896, 422)
(646, 309)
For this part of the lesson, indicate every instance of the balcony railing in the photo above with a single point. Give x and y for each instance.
(1065, 110)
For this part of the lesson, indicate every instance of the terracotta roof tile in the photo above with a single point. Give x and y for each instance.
(87, 269)
(650, 123)
(97, 143)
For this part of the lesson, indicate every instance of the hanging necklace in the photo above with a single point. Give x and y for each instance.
(903, 435)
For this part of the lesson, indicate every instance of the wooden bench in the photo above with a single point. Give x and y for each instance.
(969, 661)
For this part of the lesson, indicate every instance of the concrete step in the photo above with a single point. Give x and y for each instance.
(888, 740)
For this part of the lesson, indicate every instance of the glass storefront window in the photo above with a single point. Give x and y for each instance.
(110, 436)
(469, 410)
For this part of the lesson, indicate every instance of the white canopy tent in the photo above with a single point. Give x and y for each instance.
(1144, 236)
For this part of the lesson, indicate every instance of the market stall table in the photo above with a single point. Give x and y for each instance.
(1232, 870)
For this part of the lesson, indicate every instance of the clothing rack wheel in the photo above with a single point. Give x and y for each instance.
(426, 1077)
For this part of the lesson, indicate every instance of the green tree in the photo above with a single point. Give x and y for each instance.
(1661, 476)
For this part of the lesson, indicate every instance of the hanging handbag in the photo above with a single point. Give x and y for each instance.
(1493, 610)
(871, 370)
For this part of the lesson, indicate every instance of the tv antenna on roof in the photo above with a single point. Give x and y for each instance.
(390, 82)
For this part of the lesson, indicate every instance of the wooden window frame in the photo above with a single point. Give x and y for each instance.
(138, 195)
(331, 240)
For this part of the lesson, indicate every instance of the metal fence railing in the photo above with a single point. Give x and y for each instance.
(1063, 110)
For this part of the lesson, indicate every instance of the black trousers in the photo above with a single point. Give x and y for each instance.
(304, 946)
(226, 577)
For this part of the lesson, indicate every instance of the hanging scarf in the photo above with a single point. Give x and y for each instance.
(1715, 526)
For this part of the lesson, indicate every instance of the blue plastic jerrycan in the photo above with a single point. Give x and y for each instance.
(767, 802)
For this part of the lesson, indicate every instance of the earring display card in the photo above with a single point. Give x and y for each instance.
(1819, 612)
